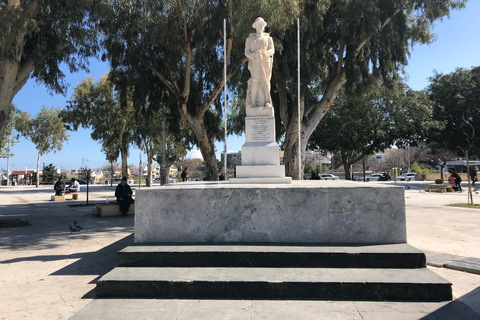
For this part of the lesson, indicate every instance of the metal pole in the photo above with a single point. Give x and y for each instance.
(140, 170)
(163, 173)
(408, 150)
(8, 164)
(225, 93)
(298, 111)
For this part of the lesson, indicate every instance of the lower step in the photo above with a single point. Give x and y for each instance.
(275, 283)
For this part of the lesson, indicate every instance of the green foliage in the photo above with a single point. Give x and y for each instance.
(46, 131)
(108, 110)
(11, 137)
(49, 173)
(456, 101)
(359, 125)
(47, 33)
(415, 167)
(181, 43)
(344, 42)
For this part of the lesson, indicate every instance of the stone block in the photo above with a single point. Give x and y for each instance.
(58, 198)
(260, 153)
(110, 210)
(264, 171)
(332, 212)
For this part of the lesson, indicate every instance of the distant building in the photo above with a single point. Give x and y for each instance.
(22, 176)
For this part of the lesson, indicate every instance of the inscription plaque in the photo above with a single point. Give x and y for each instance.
(259, 129)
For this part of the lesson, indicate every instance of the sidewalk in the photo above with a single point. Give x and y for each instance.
(47, 272)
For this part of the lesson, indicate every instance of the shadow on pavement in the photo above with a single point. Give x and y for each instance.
(457, 309)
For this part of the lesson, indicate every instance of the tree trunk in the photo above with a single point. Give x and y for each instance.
(37, 184)
(204, 142)
(290, 156)
(149, 182)
(347, 165)
(124, 155)
(207, 147)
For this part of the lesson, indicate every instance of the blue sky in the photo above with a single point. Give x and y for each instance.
(457, 45)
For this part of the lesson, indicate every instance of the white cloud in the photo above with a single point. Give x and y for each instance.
(194, 154)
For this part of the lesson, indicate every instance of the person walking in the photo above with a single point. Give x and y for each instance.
(473, 176)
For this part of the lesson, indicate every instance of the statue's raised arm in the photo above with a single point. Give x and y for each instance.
(259, 50)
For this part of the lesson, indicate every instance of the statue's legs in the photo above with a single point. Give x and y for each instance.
(254, 90)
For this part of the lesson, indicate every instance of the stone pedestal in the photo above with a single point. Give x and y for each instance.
(260, 153)
(332, 212)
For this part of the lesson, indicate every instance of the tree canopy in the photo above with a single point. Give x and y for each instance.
(359, 125)
(35, 37)
(181, 42)
(108, 110)
(456, 100)
(47, 131)
(344, 43)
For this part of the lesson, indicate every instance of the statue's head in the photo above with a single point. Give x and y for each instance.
(259, 23)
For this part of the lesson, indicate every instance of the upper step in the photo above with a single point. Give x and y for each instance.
(274, 256)
(275, 283)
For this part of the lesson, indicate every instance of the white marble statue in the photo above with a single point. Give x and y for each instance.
(259, 50)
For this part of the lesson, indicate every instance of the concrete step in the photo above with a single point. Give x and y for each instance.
(275, 283)
(276, 256)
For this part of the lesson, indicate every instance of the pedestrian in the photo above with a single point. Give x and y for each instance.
(473, 175)
(185, 175)
(123, 192)
(221, 177)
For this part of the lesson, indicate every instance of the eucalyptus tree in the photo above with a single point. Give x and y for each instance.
(35, 37)
(148, 136)
(107, 109)
(46, 131)
(343, 44)
(181, 42)
(456, 100)
(358, 125)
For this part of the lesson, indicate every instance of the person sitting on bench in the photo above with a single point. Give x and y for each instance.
(455, 180)
(74, 186)
(123, 192)
(59, 187)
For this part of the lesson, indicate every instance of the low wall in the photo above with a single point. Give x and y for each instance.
(435, 176)
(315, 211)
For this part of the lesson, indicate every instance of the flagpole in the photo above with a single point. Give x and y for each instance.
(225, 94)
(299, 156)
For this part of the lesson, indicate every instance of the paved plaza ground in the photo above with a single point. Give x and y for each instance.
(47, 272)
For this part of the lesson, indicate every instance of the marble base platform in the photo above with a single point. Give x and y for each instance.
(329, 212)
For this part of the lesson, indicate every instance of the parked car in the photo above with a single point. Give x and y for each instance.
(409, 176)
(371, 177)
(328, 176)
(158, 180)
(80, 181)
(117, 181)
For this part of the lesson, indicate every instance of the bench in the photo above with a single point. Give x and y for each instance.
(110, 210)
(61, 197)
(439, 188)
